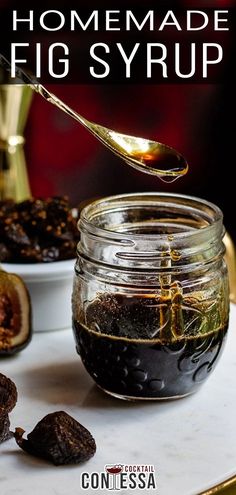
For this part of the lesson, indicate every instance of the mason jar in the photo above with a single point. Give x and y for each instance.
(150, 297)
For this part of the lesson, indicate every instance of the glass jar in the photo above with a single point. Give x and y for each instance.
(150, 297)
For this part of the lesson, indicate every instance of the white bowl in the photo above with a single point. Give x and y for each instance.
(50, 288)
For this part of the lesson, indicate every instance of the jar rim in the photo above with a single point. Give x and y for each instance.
(212, 214)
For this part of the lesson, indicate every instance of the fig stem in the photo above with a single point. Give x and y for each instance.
(19, 432)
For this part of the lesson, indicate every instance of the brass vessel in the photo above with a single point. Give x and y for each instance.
(230, 258)
(15, 101)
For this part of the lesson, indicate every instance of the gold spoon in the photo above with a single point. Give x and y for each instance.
(146, 155)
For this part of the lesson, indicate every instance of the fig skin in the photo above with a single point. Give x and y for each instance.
(15, 314)
(8, 395)
(8, 399)
(5, 433)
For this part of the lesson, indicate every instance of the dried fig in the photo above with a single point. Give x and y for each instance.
(5, 432)
(58, 438)
(8, 398)
(38, 230)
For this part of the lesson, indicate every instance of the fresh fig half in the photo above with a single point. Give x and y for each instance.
(15, 314)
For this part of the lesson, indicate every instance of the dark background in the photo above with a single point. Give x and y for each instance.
(197, 119)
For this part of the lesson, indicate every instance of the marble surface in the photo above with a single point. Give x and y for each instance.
(191, 442)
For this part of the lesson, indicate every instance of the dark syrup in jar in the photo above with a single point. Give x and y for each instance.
(120, 350)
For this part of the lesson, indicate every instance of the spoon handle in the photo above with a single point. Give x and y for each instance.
(100, 132)
(54, 100)
(47, 95)
(146, 155)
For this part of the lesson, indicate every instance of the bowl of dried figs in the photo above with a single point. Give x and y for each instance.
(38, 239)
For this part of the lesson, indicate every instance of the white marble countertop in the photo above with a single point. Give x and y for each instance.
(191, 442)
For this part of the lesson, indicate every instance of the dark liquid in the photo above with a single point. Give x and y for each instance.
(144, 368)
(167, 164)
(164, 161)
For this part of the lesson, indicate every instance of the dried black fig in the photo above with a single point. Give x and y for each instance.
(8, 395)
(15, 314)
(5, 432)
(8, 398)
(38, 230)
(58, 438)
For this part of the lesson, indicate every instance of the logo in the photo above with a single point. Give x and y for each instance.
(120, 477)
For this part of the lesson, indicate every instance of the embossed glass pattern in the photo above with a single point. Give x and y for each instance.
(150, 297)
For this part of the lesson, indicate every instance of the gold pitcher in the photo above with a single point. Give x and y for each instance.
(230, 258)
(15, 101)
